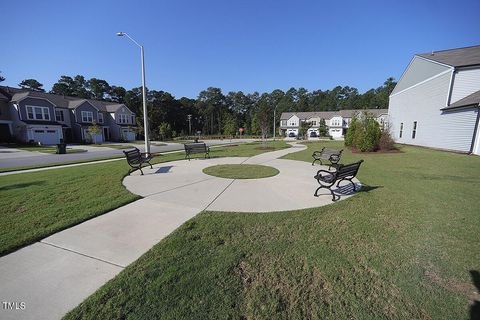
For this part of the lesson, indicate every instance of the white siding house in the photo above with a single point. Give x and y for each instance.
(436, 101)
(336, 122)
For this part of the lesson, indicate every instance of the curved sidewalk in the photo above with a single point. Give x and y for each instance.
(56, 274)
(183, 183)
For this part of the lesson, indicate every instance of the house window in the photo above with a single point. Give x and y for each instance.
(414, 131)
(38, 113)
(59, 115)
(292, 124)
(284, 122)
(133, 119)
(122, 118)
(401, 129)
(87, 116)
(100, 117)
(314, 123)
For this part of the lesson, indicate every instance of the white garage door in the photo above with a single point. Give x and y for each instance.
(45, 136)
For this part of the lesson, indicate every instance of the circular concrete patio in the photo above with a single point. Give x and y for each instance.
(183, 183)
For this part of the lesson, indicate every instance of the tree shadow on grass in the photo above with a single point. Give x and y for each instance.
(22, 185)
(475, 307)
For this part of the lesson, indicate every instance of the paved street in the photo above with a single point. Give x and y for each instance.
(12, 158)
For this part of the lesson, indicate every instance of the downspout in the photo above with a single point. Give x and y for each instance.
(475, 130)
(450, 88)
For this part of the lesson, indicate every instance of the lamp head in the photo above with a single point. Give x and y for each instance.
(120, 34)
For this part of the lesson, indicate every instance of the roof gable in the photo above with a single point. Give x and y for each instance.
(418, 70)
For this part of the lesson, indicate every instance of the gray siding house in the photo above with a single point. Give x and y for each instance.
(436, 101)
(49, 118)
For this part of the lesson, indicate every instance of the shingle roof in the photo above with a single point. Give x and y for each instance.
(60, 100)
(470, 100)
(460, 57)
(330, 114)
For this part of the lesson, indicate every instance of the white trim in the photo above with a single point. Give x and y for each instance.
(34, 113)
(403, 73)
(422, 82)
(86, 112)
(408, 67)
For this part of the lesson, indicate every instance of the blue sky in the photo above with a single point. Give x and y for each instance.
(235, 45)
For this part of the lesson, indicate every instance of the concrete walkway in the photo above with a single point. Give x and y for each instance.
(56, 274)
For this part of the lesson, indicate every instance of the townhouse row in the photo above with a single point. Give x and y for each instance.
(38, 117)
(336, 122)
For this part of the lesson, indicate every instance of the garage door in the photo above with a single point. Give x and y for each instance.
(45, 136)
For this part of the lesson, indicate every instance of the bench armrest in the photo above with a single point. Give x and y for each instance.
(319, 175)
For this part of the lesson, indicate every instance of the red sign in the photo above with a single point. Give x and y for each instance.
(241, 131)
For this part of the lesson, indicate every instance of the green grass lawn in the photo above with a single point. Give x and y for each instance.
(36, 204)
(241, 171)
(400, 249)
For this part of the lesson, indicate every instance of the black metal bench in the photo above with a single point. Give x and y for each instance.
(327, 179)
(136, 159)
(331, 155)
(199, 147)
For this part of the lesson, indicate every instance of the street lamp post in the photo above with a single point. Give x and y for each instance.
(189, 116)
(144, 93)
(274, 121)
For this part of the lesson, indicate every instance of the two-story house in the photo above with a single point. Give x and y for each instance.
(336, 122)
(436, 101)
(49, 118)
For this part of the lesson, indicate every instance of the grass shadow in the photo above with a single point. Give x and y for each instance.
(22, 185)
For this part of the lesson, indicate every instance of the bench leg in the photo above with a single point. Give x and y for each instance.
(150, 164)
(333, 195)
(319, 160)
(316, 191)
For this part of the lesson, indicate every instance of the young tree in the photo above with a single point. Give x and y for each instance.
(94, 131)
(31, 84)
(230, 125)
(303, 129)
(322, 130)
(165, 131)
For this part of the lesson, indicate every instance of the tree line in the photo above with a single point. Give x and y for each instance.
(214, 112)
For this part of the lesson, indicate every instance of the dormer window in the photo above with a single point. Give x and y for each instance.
(87, 116)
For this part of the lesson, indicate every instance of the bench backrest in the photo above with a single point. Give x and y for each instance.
(327, 153)
(195, 147)
(348, 170)
(132, 155)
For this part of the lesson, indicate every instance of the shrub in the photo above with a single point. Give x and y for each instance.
(363, 133)
(386, 141)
